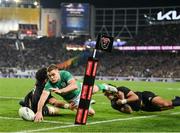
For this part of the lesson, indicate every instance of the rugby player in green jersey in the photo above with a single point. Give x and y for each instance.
(64, 84)
(32, 98)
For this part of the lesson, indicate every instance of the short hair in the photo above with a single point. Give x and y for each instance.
(52, 67)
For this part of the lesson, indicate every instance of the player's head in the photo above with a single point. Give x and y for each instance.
(126, 108)
(41, 75)
(53, 73)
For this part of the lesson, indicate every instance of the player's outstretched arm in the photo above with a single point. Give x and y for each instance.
(43, 98)
(131, 97)
(71, 86)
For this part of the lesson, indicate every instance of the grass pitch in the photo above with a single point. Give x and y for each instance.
(105, 120)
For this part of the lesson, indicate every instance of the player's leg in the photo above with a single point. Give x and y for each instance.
(74, 103)
(162, 103)
(166, 103)
(53, 101)
(176, 101)
(74, 107)
(152, 102)
(50, 111)
(104, 87)
(159, 101)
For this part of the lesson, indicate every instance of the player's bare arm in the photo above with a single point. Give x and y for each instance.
(131, 97)
(43, 98)
(72, 86)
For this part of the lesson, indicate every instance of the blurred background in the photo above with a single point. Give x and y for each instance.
(37, 33)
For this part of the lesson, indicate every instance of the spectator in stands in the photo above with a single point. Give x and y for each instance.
(124, 64)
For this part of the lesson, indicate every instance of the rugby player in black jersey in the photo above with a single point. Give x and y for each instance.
(127, 101)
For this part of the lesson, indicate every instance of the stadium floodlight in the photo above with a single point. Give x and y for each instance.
(35, 3)
(17, 1)
(118, 40)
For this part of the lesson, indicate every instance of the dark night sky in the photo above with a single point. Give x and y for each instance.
(114, 3)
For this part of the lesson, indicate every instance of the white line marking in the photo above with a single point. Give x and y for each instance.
(45, 121)
(9, 118)
(56, 122)
(172, 89)
(98, 122)
(13, 98)
(73, 125)
(91, 123)
(175, 113)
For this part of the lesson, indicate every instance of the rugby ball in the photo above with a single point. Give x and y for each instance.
(26, 113)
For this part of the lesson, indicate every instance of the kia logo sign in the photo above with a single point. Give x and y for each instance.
(170, 15)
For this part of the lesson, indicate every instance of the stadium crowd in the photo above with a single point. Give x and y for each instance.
(146, 64)
(157, 35)
(34, 54)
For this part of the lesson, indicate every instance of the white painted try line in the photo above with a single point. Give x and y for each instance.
(13, 98)
(97, 122)
(175, 113)
(91, 123)
(45, 121)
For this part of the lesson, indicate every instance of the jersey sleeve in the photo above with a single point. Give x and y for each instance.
(66, 76)
(48, 86)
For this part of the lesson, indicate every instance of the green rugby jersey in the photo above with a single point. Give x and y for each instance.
(65, 77)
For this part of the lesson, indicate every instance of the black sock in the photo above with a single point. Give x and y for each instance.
(176, 102)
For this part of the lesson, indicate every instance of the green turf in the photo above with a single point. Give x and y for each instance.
(105, 120)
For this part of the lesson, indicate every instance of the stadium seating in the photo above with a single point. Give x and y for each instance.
(45, 51)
